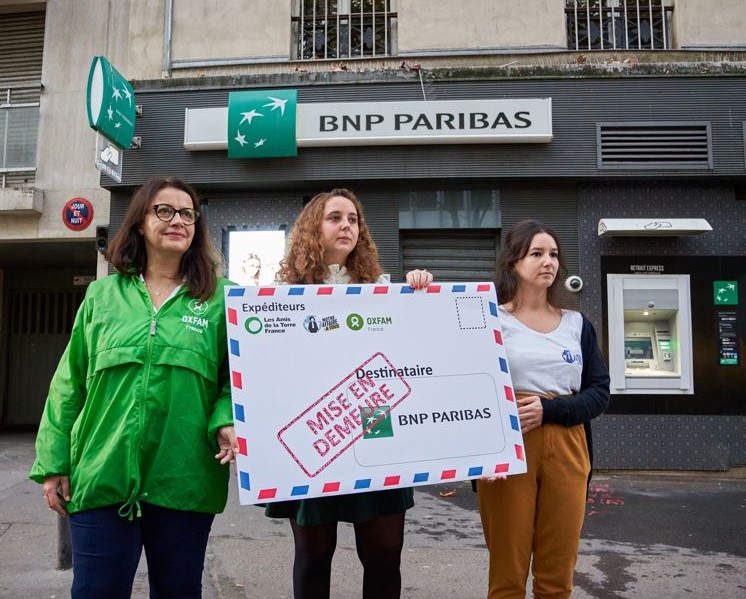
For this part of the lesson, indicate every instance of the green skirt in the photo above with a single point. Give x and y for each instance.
(357, 507)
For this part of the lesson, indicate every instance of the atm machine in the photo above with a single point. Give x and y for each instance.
(650, 347)
(648, 350)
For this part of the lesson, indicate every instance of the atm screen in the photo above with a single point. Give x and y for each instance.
(638, 348)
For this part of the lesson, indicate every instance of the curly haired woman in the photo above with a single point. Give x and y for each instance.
(331, 244)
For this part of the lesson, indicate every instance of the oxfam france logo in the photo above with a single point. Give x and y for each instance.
(197, 307)
(355, 322)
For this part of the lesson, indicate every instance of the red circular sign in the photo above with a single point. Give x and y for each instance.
(77, 214)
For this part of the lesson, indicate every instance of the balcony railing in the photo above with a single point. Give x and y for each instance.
(19, 127)
(343, 28)
(618, 25)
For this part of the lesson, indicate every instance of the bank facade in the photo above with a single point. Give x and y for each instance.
(645, 146)
(675, 403)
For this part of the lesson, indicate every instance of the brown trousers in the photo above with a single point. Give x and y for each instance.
(540, 512)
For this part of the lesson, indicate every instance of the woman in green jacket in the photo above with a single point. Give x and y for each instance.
(137, 430)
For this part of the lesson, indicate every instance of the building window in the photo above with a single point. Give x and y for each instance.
(343, 28)
(21, 55)
(19, 124)
(618, 24)
(450, 209)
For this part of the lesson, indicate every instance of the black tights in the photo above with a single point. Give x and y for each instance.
(379, 543)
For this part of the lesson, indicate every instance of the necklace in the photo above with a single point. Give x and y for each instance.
(158, 292)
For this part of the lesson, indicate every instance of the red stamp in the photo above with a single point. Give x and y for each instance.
(329, 427)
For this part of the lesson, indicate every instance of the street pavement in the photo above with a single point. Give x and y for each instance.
(647, 535)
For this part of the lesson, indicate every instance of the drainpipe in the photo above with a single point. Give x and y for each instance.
(167, 32)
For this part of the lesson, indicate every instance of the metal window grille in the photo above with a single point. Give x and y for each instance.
(618, 24)
(343, 28)
(19, 127)
(453, 254)
(44, 311)
(650, 145)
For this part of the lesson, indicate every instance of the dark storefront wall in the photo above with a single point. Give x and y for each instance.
(572, 153)
(437, 250)
(529, 178)
(706, 430)
(714, 384)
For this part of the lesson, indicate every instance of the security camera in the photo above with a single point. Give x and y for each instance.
(573, 283)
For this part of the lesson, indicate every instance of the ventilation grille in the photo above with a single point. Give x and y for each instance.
(671, 145)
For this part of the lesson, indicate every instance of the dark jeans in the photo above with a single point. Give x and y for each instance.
(107, 549)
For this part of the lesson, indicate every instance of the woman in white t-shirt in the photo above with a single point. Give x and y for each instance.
(561, 383)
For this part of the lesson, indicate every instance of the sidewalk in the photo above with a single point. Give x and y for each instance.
(647, 535)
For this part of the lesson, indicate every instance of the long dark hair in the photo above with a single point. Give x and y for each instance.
(304, 260)
(516, 245)
(199, 264)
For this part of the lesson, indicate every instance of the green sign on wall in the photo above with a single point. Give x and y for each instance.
(261, 124)
(725, 293)
(110, 103)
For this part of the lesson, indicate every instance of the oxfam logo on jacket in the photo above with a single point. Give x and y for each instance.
(197, 307)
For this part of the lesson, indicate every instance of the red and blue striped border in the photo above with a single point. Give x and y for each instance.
(357, 290)
(361, 484)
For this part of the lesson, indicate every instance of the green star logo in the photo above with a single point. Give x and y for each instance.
(110, 103)
(376, 422)
(725, 293)
(261, 124)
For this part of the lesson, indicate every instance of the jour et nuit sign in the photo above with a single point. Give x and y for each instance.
(258, 123)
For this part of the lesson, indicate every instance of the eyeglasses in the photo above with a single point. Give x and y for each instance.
(166, 213)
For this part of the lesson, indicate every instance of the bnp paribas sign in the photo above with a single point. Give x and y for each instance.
(271, 123)
(110, 103)
(262, 124)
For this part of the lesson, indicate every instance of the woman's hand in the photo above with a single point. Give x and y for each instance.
(530, 412)
(226, 438)
(419, 279)
(493, 478)
(57, 493)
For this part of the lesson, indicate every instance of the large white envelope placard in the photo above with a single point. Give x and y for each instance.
(352, 388)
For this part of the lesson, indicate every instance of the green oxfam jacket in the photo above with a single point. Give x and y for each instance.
(136, 401)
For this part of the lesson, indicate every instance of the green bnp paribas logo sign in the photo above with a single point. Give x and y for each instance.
(261, 124)
(725, 293)
(110, 103)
